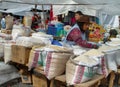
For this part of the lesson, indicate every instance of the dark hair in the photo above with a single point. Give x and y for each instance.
(80, 24)
(113, 33)
(48, 18)
(79, 12)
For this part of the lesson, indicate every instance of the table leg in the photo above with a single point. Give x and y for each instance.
(112, 77)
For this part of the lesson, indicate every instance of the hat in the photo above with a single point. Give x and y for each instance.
(85, 19)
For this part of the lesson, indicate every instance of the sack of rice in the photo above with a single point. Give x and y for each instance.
(1, 50)
(118, 57)
(77, 50)
(35, 58)
(41, 34)
(52, 58)
(24, 41)
(80, 69)
(27, 20)
(96, 54)
(41, 38)
(9, 22)
(7, 53)
(5, 36)
(40, 41)
(17, 31)
(111, 55)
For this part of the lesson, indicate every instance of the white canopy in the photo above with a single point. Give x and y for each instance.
(99, 8)
(87, 6)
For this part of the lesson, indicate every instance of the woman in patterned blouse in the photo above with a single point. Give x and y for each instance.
(77, 34)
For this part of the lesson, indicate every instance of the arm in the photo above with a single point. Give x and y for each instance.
(75, 35)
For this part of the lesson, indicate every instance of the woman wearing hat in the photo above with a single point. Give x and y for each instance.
(77, 34)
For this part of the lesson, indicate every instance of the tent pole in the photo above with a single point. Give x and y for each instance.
(35, 7)
(43, 15)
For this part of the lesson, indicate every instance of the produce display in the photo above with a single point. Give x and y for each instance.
(96, 32)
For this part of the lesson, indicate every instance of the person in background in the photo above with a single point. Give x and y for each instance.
(34, 22)
(47, 21)
(77, 33)
(3, 22)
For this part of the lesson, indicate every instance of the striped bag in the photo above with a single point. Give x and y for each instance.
(78, 73)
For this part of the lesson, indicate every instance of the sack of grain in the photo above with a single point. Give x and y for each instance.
(6, 36)
(40, 41)
(118, 57)
(52, 58)
(55, 64)
(80, 69)
(24, 41)
(97, 54)
(17, 31)
(41, 34)
(41, 38)
(34, 56)
(7, 53)
(27, 20)
(9, 22)
(1, 50)
(110, 55)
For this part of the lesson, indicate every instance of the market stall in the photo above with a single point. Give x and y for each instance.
(44, 56)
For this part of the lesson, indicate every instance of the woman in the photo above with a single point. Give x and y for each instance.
(77, 34)
(35, 22)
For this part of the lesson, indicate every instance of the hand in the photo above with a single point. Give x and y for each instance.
(95, 46)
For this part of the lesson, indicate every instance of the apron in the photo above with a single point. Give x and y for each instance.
(70, 43)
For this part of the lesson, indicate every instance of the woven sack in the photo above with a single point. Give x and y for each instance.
(77, 72)
(28, 20)
(102, 69)
(9, 22)
(7, 53)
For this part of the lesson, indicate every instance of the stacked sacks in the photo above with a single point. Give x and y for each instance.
(35, 39)
(52, 58)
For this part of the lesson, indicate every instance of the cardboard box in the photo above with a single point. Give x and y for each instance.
(39, 81)
(20, 54)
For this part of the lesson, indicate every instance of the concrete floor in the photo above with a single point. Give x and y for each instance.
(15, 83)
